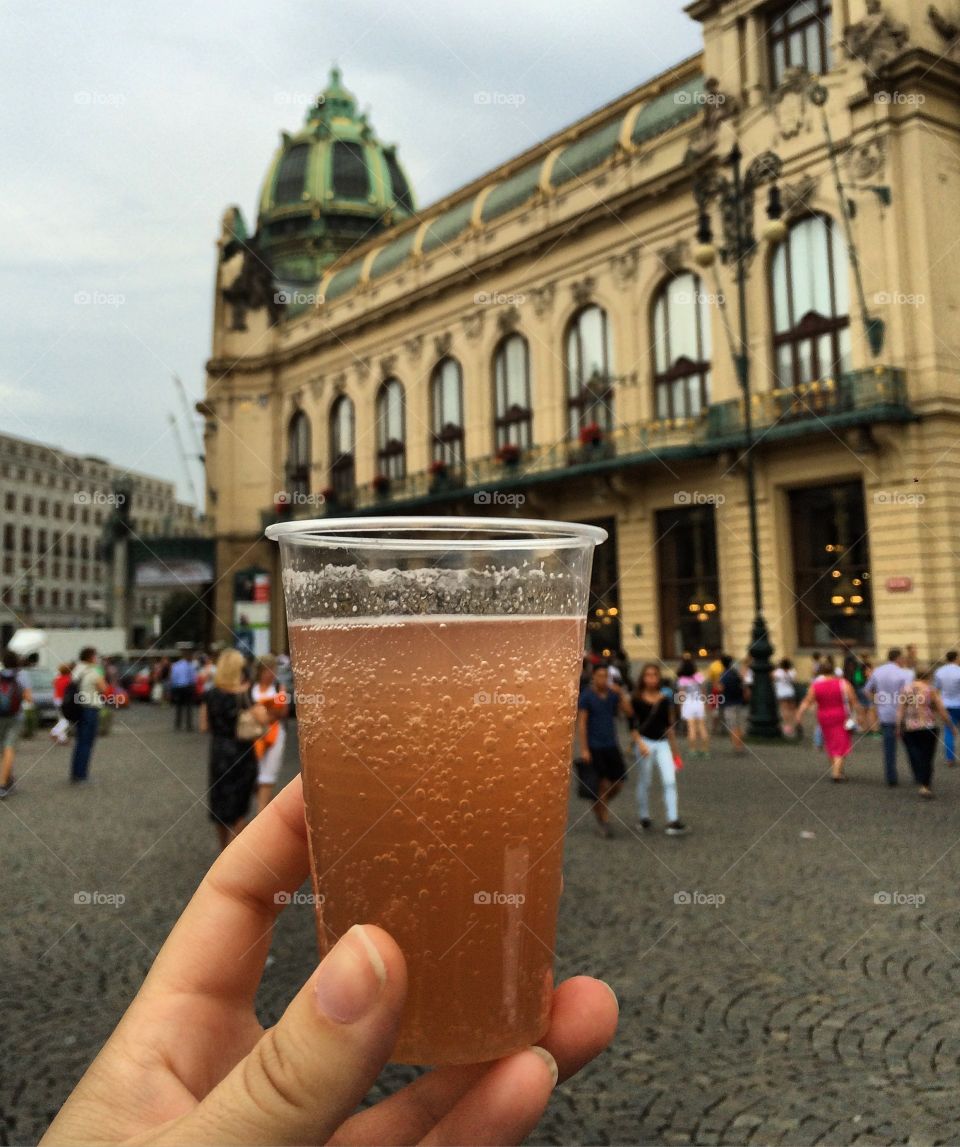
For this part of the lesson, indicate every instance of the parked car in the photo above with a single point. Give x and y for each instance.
(41, 684)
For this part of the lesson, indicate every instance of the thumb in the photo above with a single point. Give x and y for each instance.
(309, 1072)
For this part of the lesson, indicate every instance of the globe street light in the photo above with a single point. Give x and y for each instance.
(735, 196)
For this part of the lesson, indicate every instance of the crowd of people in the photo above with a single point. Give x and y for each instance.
(898, 701)
(242, 703)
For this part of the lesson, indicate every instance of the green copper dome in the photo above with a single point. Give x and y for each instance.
(329, 187)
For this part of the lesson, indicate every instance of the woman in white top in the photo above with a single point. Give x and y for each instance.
(270, 746)
(785, 688)
(692, 699)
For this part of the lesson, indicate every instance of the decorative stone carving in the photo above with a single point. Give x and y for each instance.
(361, 368)
(442, 344)
(798, 196)
(252, 289)
(388, 366)
(542, 298)
(675, 258)
(317, 386)
(340, 383)
(790, 103)
(473, 324)
(626, 266)
(508, 320)
(946, 28)
(414, 346)
(867, 161)
(875, 40)
(583, 290)
(718, 107)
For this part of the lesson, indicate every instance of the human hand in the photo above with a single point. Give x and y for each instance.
(642, 747)
(585, 755)
(189, 1062)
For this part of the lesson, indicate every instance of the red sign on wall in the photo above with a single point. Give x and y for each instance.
(899, 584)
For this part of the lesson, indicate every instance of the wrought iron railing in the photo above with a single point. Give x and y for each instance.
(875, 391)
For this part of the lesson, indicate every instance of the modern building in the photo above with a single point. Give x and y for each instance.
(57, 510)
(558, 338)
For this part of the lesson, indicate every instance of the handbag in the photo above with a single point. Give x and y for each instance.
(248, 727)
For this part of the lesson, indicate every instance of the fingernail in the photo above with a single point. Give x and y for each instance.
(548, 1060)
(612, 993)
(350, 978)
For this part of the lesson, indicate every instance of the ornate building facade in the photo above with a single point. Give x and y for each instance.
(555, 338)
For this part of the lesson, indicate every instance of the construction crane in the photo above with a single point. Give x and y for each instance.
(184, 458)
(189, 417)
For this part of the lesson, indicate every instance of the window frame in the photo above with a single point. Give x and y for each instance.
(782, 38)
(391, 451)
(683, 368)
(512, 425)
(446, 436)
(299, 455)
(812, 327)
(343, 467)
(586, 407)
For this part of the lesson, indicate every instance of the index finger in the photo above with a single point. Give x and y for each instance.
(220, 943)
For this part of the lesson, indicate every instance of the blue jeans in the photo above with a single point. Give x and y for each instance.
(949, 748)
(87, 728)
(890, 753)
(660, 754)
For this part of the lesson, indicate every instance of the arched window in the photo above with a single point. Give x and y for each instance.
(298, 456)
(511, 370)
(589, 370)
(351, 179)
(391, 442)
(681, 348)
(342, 444)
(811, 303)
(446, 413)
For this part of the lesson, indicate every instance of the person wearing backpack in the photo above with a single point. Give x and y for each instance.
(12, 698)
(82, 702)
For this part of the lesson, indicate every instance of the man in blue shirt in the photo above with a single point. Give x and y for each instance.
(599, 746)
(947, 681)
(886, 684)
(183, 689)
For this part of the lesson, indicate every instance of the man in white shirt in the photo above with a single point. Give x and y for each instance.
(947, 681)
(886, 684)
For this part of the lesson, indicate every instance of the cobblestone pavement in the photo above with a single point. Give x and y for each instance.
(767, 997)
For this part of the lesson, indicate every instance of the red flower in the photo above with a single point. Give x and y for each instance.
(381, 483)
(508, 452)
(438, 466)
(591, 435)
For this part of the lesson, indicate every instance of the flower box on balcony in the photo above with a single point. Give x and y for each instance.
(591, 435)
(381, 485)
(509, 455)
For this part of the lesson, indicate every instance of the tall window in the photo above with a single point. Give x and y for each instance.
(811, 303)
(689, 581)
(292, 175)
(351, 180)
(831, 562)
(513, 422)
(391, 447)
(342, 444)
(446, 412)
(681, 348)
(799, 37)
(298, 456)
(589, 370)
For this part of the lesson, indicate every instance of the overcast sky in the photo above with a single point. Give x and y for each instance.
(128, 127)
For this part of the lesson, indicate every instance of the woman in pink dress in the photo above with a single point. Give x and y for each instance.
(836, 703)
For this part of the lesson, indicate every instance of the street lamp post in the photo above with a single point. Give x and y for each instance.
(735, 194)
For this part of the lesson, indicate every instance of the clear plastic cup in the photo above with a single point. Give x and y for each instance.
(436, 664)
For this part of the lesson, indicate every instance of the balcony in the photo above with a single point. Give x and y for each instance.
(855, 399)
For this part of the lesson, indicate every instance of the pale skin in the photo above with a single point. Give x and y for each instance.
(267, 678)
(228, 832)
(836, 763)
(606, 790)
(936, 704)
(190, 1063)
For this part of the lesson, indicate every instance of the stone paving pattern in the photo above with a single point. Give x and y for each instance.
(796, 1011)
